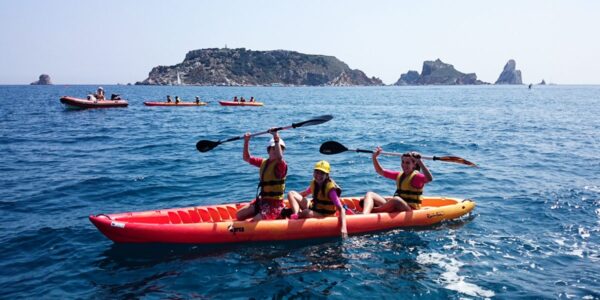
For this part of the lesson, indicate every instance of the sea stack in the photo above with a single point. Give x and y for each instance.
(510, 74)
(44, 80)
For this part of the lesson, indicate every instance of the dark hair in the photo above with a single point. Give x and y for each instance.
(409, 154)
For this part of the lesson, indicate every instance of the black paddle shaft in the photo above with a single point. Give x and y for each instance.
(204, 145)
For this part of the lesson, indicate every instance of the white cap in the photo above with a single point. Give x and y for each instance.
(272, 142)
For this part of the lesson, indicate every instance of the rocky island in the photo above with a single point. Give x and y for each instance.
(510, 74)
(438, 73)
(43, 80)
(241, 67)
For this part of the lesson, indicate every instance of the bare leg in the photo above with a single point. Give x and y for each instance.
(296, 201)
(394, 204)
(372, 199)
(245, 212)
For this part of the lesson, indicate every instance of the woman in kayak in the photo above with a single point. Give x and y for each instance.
(409, 185)
(325, 200)
(273, 170)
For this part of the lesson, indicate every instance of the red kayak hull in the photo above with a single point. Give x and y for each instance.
(215, 224)
(151, 103)
(84, 103)
(234, 103)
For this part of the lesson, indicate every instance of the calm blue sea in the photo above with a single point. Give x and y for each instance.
(534, 233)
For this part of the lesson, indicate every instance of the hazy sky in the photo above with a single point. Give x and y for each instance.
(120, 41)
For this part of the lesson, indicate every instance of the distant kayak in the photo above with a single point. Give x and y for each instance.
(234, 103)
(217, 223)
(150, 103)
(78, 103)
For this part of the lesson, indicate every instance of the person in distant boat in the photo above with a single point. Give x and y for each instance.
(197, 100)
(115, 97)
(325, 200)
(252, 99)
(99, 93)
(177, 100)
(235, 99)
(270, 191)
(530, 85)
(242, 99)
(409, 185)
(169, 100)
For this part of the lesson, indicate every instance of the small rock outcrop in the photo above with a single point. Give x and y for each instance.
(241, 67)
(543, 82)
(510, 74)
(438, 73)
(408, 78)
(43, 80)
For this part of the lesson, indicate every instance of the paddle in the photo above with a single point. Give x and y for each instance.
(204, 145)
(333, 147)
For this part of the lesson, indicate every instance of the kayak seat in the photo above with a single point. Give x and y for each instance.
(214, 214)
(349, 203)
(185, 218)
(223, 213)
(174, 218)
(232, 212)
(195, 216)
(204, 215)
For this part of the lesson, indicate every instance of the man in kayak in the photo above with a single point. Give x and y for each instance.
(252, 99)
(177, 100)
(99, 93)
(235, 99)
(169, 99)
(409, 185)
(273, 170)
(197, 100)
(325, 200)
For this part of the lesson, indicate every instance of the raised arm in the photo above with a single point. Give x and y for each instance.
(376, 164)
(246, 147)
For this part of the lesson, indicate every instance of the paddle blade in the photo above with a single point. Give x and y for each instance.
(332, 147)
(204, 145)
(455, 159)
(316, 121)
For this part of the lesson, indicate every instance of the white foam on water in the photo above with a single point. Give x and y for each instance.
(450, 277)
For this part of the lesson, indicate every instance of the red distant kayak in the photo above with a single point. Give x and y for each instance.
(150, 103)
(235, 103)
(72, 102)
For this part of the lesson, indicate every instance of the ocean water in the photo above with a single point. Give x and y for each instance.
(534, 232)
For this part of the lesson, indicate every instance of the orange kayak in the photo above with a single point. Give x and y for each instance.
(150, 103)
(72, 102)
(217, 223)
(235, 103)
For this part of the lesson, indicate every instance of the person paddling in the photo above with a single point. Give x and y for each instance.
(325, 199)
(169, 100)
(409, 185)
(197, 100)
(235, 99)
(273, 170)
(177, 100)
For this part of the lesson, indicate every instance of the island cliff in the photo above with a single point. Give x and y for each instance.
(438, 73)
(241, 67)
(510, 74)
